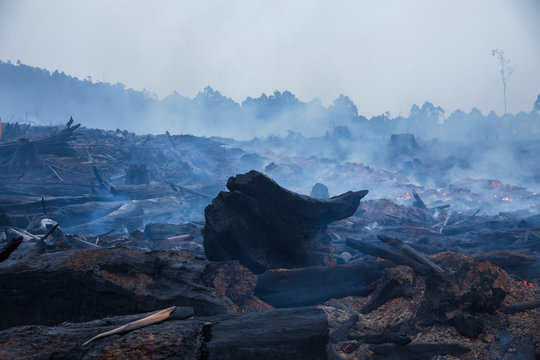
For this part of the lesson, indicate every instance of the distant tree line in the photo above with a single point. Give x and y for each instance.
(30, 93)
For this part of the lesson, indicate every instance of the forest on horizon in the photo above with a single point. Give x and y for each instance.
(38, 95)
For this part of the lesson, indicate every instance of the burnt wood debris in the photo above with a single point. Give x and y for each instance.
(119, 246)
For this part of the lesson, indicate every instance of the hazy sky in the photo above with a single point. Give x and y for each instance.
(385, 55)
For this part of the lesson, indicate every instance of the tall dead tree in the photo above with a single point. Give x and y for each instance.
(506, 70)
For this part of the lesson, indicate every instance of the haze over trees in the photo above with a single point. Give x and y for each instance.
(32, 94)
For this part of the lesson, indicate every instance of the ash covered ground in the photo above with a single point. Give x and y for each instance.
(101, 220)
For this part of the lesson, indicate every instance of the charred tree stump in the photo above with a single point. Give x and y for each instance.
(265, 226)
(137, 174)
(319, 191)
(25, 154)
(466, 290)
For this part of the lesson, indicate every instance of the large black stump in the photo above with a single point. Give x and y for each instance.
(265, 226)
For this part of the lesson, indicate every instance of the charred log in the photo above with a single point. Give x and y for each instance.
(81, 285)
(520, 307)
(279, 334)
(314, 285)
(385, 338)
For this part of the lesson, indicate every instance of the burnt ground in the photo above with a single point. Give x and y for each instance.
(130, 211)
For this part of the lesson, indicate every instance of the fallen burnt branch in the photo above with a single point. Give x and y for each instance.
(412, 253)
(395, 256)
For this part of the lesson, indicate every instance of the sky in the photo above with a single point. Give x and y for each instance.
(385, 55)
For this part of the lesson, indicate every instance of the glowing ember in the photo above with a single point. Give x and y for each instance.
(380, 259)
(407, 196)
(528, 283)
(506, 199)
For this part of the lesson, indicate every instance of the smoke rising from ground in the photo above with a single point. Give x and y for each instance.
(280, 134)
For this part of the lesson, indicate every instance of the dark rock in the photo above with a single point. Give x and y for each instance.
(279, 334)
(80, 285)
(265, 226)
(319, 191)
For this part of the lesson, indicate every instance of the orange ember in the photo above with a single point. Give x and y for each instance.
(380, 259)
(528, 283)
(407, 196)
(506, 199)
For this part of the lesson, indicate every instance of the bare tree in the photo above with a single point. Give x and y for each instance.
(506, 70)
